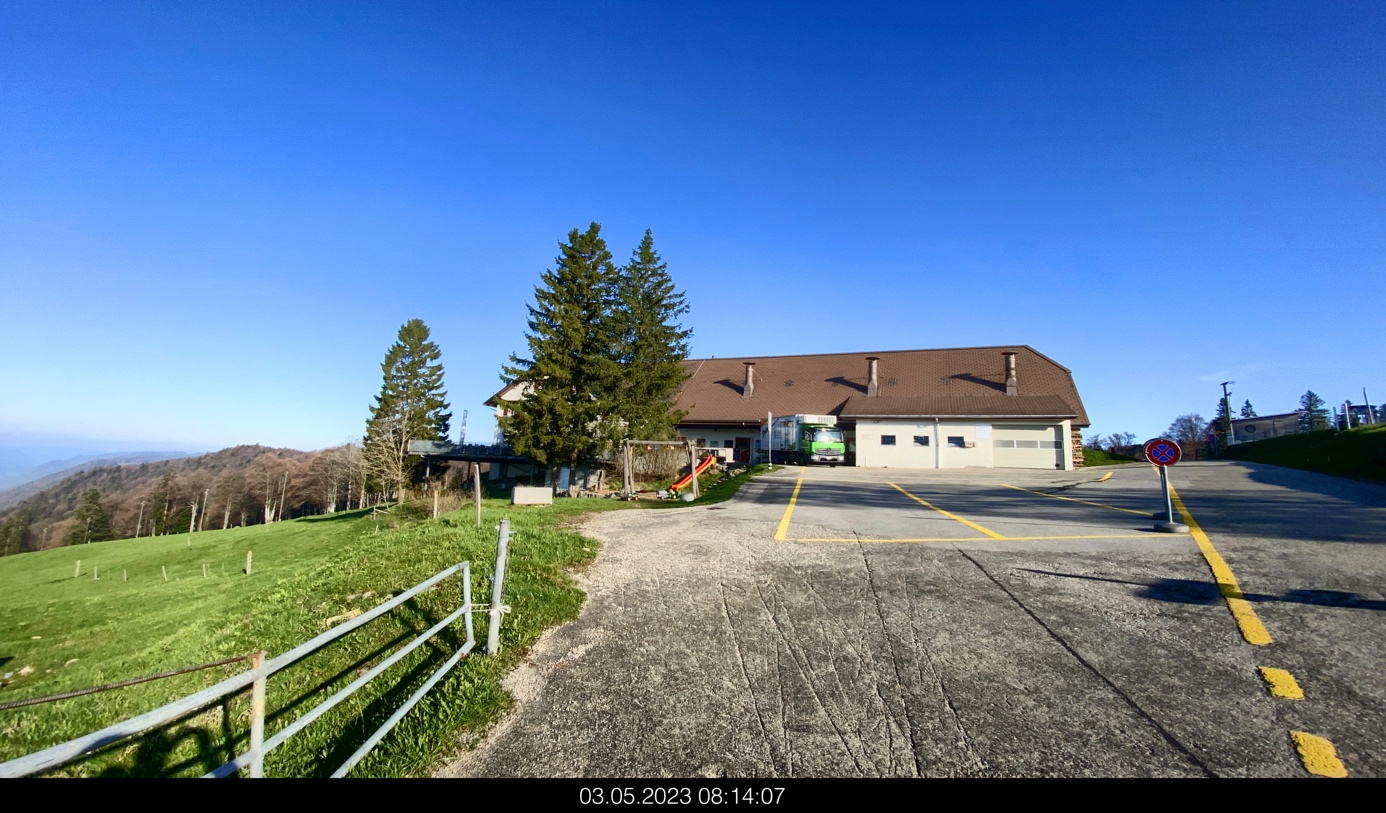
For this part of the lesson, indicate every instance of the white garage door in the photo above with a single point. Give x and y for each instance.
(1021, 446)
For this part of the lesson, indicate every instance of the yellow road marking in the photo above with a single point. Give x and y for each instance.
(1105, 477)
(1248, 622)
(1084, 502)
(1281, 683)
(1318, 755)
(974, 538)
(974, 526)
(789, 509)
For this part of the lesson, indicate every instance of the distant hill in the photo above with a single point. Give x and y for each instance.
(242, 485)
(15, 487)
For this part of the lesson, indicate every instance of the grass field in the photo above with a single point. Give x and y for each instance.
(308, 574)
(1359, 452)
(1097, 457)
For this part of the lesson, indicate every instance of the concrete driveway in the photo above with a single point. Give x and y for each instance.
(843, 622)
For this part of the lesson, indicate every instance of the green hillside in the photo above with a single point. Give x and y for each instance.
(1359, 452)
(308, 574)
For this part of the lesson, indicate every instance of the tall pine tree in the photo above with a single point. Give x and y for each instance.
(572, 370)
(653, 344)
(1220, 422)
(1313, 412)
(412, 405)
(1248, 411)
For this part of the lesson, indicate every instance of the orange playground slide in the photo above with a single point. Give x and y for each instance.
(688, 478)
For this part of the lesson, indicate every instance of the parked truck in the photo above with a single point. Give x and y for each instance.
(802, 439)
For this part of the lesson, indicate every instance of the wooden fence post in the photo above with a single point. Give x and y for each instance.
(476, 490)
(257, 720)
(248, 561)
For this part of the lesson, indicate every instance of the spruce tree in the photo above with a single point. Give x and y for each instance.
(653, 344)
(1314, 412)
(571, 372)
(1218, 426)
(12, 534)
(1248, 411)
(90, 522)
(412, 405)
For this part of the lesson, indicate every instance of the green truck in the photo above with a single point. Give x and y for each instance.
(803, 439)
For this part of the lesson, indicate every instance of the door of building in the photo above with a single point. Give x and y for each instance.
(742, 448)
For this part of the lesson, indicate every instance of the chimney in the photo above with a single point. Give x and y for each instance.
(1011, 388)
(749, 388)
(873, 384)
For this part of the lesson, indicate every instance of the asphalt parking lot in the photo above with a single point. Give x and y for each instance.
(845, 622)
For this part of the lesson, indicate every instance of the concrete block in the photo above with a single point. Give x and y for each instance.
(531, 495)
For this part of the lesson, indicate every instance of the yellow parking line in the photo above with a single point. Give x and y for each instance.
(1248, 622)
(974, 526)
(854, 540)
(1318, 755)
(1281, 683)
(1105, 477)
(1084, 502)
(789, 509)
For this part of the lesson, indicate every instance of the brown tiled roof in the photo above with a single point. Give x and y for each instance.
(823, 384)
(963, 406)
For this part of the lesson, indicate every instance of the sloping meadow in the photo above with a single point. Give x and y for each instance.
(86, 615)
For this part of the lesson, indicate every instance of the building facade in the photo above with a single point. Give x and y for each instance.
(988, 407)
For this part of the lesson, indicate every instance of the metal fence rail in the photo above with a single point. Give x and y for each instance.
(257, 677)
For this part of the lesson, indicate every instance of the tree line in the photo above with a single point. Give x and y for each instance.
(604, 360)
(1192, 431)
(235, 487)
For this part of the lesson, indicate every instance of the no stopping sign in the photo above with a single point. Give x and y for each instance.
(1162, 452)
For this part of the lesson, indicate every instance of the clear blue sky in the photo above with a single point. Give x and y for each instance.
(214, 217)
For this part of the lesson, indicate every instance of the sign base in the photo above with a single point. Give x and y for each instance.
(1171, 527)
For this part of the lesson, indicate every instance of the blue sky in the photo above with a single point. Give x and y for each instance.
(214, 217)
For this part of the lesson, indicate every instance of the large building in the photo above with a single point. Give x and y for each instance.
(1008, 406)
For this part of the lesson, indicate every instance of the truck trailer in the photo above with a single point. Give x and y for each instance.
(803, 439)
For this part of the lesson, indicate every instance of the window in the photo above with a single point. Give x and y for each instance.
(1003, 444)
(1027, 444)
(887, 440)
(700, 442)
(957, 442)
(715, 444)
(921, 440)
(1051, 444)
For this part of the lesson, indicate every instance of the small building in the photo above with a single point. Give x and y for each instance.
(1245, 430)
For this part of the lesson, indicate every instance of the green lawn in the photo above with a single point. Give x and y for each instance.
(1359, 452)
(307, 575)
(1097, 457)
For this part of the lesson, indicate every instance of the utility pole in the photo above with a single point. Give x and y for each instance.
(1371, 414)
(1227, 412)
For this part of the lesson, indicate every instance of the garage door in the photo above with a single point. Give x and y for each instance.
(1019, 446)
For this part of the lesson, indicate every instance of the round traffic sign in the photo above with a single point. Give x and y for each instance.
(1162, 452)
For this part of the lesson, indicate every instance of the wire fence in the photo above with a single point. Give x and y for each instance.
(106, 687)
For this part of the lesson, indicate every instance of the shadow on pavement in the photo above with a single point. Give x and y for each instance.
(1187, 591)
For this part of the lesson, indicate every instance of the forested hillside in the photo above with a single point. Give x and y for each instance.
(242, 485)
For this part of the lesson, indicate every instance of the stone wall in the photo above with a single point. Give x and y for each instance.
(1077, 448)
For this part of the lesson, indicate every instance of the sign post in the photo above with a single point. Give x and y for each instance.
(1162, 454)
